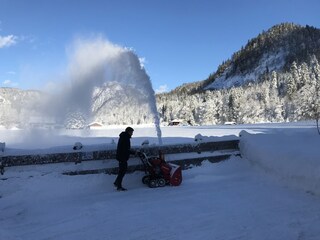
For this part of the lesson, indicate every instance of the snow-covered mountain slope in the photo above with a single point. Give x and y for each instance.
(268, 62)
(112, 103)
(115, 103)
(272, 50)
(274, 78)
(17, 104)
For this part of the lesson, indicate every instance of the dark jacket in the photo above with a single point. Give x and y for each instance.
(124, 147)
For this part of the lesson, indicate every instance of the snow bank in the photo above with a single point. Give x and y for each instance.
(200, 138)
(292, 156)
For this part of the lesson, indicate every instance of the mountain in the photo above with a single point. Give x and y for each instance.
(272, 50)
(274, 78)
(112, 104)
(17, 104)
(115, 103)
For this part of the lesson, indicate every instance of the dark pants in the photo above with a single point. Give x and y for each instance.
(123, 165)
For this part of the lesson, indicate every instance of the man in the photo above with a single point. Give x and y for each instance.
(123, 153)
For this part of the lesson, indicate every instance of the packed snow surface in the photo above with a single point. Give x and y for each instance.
(271, 192)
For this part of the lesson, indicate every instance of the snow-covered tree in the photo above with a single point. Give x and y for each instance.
(75, 120)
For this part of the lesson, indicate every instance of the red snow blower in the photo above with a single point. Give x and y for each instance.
(160, 173)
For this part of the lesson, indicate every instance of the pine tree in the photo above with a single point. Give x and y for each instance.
(315, 79)
(305, 77)
(295, 76)
(291, 82)
(274, 80)
(75, 120)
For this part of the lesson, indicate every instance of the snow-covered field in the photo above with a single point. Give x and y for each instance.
(272, 192)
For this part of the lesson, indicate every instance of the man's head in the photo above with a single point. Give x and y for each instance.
(129, 130)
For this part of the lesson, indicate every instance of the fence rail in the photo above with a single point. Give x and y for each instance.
(78, 156)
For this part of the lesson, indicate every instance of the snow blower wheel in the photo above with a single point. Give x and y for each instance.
(161, 182)
(146, 179)
(153, 183)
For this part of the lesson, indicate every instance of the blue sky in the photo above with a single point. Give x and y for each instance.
(181, 41)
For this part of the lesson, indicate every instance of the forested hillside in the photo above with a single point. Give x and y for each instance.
(274, 78)
(276, 97)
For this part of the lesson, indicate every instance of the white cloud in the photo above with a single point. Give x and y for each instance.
(6, 41)
(162, 89)
(9, 83)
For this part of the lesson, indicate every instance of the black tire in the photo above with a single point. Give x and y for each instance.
(153, 183)
(146, 179)
(161, 182)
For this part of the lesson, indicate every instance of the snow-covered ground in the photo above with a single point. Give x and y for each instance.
(272, 192)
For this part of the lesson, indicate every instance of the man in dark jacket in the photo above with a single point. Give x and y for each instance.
(123, 153)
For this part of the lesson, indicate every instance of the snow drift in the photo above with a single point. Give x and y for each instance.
(291, 156)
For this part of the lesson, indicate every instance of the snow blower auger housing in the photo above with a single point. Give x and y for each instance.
(159, 173)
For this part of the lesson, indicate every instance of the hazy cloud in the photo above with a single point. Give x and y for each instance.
(28, 38)
(6, 82)
(9, 83)
(7, 41)
(162, 89)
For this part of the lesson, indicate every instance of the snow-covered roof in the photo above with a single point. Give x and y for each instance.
(177, 120)
(95, 124)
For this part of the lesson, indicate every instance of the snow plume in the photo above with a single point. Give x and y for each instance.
(95, 63)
